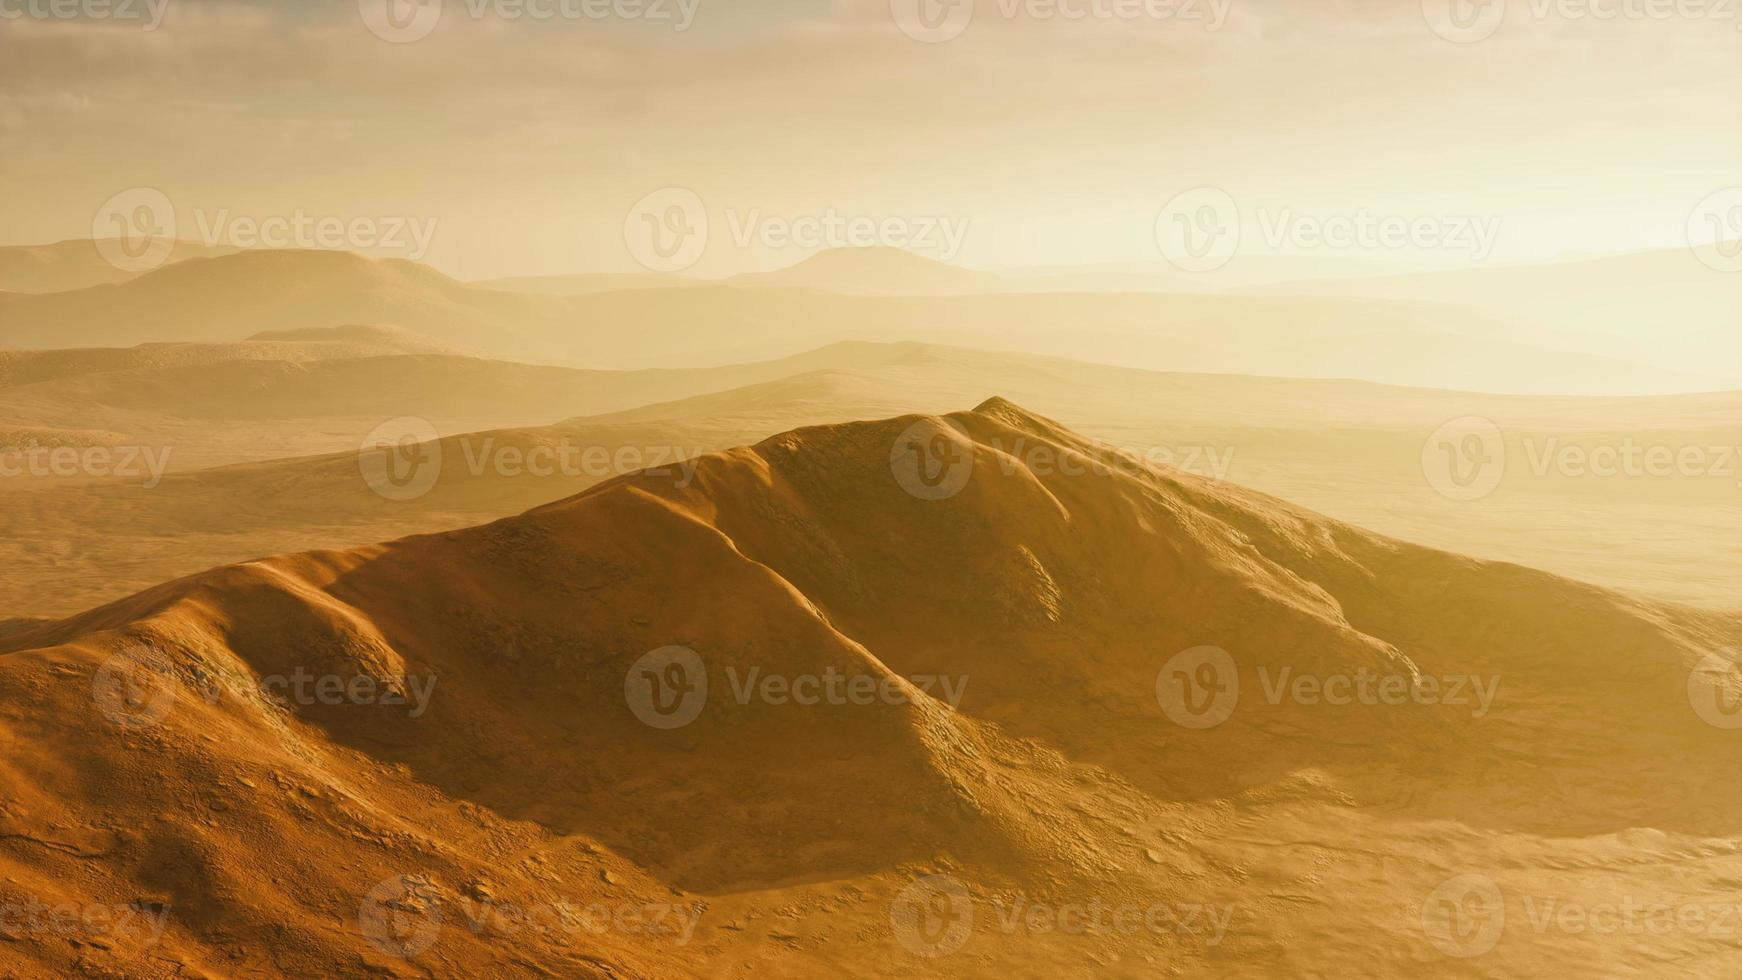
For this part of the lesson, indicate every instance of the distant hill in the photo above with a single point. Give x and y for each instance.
(876, 271)
(76, 264)
(1425, 343)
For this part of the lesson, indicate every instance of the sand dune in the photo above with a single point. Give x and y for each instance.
(394, 833)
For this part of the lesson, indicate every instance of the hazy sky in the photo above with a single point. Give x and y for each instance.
(1025, 139)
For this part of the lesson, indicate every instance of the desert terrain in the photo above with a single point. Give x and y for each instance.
(573, 612)
(959, 489)
(525, 783)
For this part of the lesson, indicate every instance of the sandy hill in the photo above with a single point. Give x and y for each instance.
(1428, 344)
(308, 838)
(76, 264)
(876, 271)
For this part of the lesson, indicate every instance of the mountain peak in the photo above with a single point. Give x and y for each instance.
(1007, 412)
